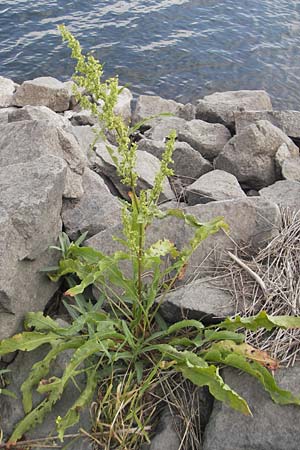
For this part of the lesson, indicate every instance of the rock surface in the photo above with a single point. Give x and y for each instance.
(250, 155)
(40, 113)
(25, 141)
(30, 202)
(201, 299)
(283, 193)
(43, 91)
(7, 89)
(188, 163)
(251, 221)
(152, 105)
(147, 166)
(95, 211)
(272, 426)
(287, 121)
(212, 186)
(208, 139)
(220, 107)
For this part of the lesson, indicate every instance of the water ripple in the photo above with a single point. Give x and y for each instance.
(181, 49)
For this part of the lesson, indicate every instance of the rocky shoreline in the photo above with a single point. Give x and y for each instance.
(234, 157)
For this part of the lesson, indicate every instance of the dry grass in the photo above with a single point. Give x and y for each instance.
(271, 282)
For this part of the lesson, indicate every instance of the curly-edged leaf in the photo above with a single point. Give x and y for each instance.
(87, 254)
(228, 347)
(261, 320)
(190, 323)
(220, 335)
(26, 341)
(208, 227)
(209, 376)
(7, 392)
(37, 415)
(73, 414)
(256, 370)
(161, 248)
(68, 265)
(40, 322)
(186, 357)
(41, 368)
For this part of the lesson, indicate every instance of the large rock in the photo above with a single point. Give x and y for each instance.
(220, 107)
(4, 113)
(252, 221)
(25, 141)
(147, 166)
(212, 186)
(250, 155)
(167, 436)
(7, 89)
(208, 139)
(288, 163)
(152, 105)
(287, 121)
(11, 410)
(283, 193)
(30, 205)
(43, 113)
(272, 427)
(201, 299)
(188, 163)
(96, 210)
(44, 91)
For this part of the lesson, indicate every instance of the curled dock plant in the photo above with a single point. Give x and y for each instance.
(121, 341)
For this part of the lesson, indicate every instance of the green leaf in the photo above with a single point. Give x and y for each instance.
(73, 414)
(220, 335)
(256, 370)
(261, 320)
(40, 322)
(7, 392)
(26, 341)
(191, 323)
(209, 376)
(41, 368)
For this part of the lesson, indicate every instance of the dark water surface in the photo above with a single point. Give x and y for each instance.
(180, 49)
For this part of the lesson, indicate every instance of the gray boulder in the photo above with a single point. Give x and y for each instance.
(123, 106)
(202, 299)
(272, 427)
(212, 186)
(43, 91)
(287, 121)
(152, 105)
(288, 163)
(7, 89)
(95, 211)
(250, 155)
(85, 136)
(166, 437)
(188, 163)
(25, 141)
(208, 139)
(147, 167)
(284, 193)
(82, 117)
(220, 107)
(4, 112)
(30, 205)
(252, 221)
(43, 113)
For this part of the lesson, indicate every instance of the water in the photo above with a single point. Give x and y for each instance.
(180, 49)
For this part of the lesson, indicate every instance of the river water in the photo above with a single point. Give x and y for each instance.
(180, 49)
